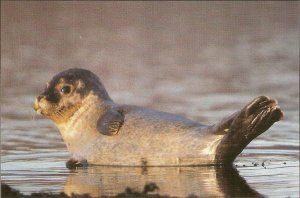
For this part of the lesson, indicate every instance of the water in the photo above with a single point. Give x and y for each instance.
(201, 60)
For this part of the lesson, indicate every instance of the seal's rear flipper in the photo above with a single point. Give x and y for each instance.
(254, 119)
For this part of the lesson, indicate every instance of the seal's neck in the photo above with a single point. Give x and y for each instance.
(81, 126)
(89, 103)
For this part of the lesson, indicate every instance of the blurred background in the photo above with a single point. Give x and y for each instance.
(135, 46)
(203, 60)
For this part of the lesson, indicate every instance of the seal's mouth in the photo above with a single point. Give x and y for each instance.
(37, 107)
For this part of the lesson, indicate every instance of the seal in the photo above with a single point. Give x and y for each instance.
(98, 131)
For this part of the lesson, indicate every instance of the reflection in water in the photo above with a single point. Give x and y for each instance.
(173, 181)
(232, 184)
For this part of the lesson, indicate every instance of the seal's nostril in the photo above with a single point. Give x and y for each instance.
(40, 97)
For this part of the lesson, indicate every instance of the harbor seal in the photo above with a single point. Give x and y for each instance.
(98, 131)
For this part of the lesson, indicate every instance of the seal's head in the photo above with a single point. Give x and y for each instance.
(64, 94)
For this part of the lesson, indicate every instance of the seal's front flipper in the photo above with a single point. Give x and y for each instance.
(111, 122)
(254, 119)
(74, 163)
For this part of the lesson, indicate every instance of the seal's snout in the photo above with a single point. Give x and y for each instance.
(36, 105)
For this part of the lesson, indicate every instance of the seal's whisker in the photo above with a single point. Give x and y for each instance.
(33, 117)
(58, 112)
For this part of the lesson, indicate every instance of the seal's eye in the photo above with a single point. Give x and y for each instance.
(66, 89)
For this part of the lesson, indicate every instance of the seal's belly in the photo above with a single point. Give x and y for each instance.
(150, 138)
(157, 149)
